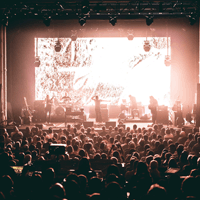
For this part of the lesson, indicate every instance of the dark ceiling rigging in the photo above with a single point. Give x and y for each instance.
(82, 10)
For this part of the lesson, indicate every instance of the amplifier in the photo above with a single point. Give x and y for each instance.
(162, 117)
(104, 115)
(104, 106)
(108, 124)
(88, 124)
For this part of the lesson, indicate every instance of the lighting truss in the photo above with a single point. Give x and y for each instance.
(99, 9)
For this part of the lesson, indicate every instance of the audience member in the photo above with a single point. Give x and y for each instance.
(113, 164)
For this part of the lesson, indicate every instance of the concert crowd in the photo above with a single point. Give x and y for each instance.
(115, 163)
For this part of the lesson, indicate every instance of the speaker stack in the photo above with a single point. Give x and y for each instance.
(88, 124)
(39, 114)
(198, 106)
(104, 115)
(162, 115)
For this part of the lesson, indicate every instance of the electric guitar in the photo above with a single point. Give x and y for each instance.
(26, 111)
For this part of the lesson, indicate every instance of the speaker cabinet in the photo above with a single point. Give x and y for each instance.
(198, 106)
(114, 111)
(92, 112)
(39, 114)
(162, 117)
(40, 126)
(108, 124)
(9, 111)
(88, 124)
(104, 115)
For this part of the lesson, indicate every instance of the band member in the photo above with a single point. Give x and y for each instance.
(133, 105)
(153, 106)
(66, 98)
(177, 107)
(97, 108)
(48, 103)
(122, 118)
(26, 113)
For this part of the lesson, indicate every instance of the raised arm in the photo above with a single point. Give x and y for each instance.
(93, 98)
(104, 100)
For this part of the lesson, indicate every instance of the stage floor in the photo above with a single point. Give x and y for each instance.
(98, 126)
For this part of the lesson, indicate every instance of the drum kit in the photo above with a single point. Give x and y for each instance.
(66, 103)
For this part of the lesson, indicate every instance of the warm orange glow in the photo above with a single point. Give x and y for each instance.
(112, 68)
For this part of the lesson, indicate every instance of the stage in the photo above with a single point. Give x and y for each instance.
(91, 122)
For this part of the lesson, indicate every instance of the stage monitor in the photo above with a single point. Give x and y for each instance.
(108, 124)
(88, 124)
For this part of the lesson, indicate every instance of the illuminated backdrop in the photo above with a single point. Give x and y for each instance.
(112, 68)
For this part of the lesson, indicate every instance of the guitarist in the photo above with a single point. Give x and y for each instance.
(48, 103)
(133, 106)
(26, 113)
(153, 106)
(97, 102)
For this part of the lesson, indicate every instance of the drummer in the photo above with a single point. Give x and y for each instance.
(66, 98)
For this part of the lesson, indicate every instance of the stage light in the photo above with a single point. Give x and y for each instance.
(192, 19)
(47, 20)
(149, 20)
(85, 7)
(57, 46)
(147, 46)
(37, 61)
(82, 21)
(60, 5)
(167, 60)
(85, 10)
(130, 37)
(113, 20)
(4, 21)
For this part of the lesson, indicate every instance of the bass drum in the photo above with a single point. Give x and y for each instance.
(60, 111)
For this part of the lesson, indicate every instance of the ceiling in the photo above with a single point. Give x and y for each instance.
(98, 9)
